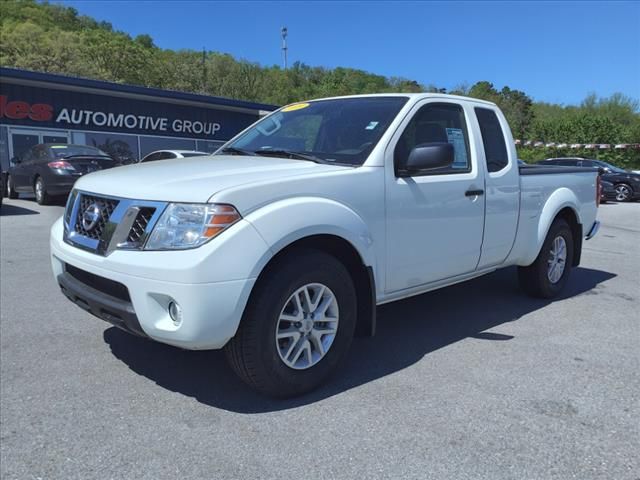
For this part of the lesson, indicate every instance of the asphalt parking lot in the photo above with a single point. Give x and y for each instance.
(476, 381)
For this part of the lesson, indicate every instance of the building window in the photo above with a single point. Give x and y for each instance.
(151, 144)
(123, 148)
(209, 146)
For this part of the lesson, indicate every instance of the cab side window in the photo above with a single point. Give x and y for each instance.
(495, 149)
(436, 123)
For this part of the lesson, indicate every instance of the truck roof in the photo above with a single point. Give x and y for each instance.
(411, 96)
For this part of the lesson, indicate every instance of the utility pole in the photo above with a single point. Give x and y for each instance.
(204, 71)
(283, 32)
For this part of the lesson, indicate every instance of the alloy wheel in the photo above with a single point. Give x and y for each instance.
(557, 259)
(622, 193)
(39, 190)
(307, 326)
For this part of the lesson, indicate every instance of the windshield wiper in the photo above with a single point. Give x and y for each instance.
(237, 151)
(293, 154)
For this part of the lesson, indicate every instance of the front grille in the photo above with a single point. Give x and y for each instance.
(104, 285)
(106, 206)
(139, 227)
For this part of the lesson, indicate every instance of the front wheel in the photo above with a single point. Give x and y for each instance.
(548, 274)
(297, 326)
(623, 192)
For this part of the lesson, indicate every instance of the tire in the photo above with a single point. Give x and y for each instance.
(11, 189)
(40, 190)
(624, 192)
(538, 279)
(260, 359)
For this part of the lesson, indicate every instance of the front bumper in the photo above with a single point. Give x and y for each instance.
(211, 307)
(117, 311)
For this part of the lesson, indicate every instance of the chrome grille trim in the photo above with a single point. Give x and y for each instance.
(120, 227)
(106, 207)
(139, 227)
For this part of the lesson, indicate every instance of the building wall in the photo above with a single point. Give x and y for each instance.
(126, 125)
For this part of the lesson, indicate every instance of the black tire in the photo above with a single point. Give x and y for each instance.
(42, 197)
(534, 279)
(11, 189)
(624, 192)
(253, 353)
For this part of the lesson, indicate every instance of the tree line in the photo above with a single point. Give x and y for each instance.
(53, 38)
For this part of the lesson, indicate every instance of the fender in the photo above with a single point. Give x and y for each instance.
(285, 221)
(558, 200)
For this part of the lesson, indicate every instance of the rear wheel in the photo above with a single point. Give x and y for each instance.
(11, 189)
(297, 326)
(623, 192)
(548, 274)
(40, 189)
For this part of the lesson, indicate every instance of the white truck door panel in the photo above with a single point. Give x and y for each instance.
(496, 151)
(434, 229)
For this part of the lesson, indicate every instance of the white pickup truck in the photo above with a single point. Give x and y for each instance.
(279, 246)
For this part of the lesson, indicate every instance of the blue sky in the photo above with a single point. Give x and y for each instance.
(554, 51)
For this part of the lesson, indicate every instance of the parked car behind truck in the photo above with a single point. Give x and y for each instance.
(171, 154)
(49, 170)
(626, 184)
(279, 247)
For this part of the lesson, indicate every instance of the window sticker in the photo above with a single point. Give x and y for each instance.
(294, 107)
(456, 138)
(371, 126)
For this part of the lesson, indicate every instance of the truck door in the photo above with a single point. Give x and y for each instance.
(502, 186)
(434, 219)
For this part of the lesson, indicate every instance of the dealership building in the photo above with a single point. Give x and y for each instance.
(125, 121)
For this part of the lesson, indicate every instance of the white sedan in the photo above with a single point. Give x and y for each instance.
(167, 154)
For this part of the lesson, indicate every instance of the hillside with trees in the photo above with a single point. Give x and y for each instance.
(53, 38)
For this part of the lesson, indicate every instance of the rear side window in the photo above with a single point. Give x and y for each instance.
(495, 149)
(40, 154)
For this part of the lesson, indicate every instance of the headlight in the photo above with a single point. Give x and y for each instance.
(184, 225)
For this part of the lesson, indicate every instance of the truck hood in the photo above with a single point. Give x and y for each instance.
(193, 179)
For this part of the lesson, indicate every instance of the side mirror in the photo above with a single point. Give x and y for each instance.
(428, 156)
(16, 160)
(602, 170)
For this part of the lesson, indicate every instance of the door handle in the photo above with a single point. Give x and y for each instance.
(473, 193)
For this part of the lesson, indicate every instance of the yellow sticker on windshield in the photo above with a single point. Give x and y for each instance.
(294, 107)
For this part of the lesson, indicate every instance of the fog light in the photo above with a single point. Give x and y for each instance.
(175, 312)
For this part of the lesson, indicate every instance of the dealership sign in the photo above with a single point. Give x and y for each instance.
(135, 122)
(37, 106)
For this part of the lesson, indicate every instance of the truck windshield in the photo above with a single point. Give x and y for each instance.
(342, 131)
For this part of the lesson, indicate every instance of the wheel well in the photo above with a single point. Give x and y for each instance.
(569, 216)
(362, 276)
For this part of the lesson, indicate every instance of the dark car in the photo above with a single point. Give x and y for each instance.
(625, 183)
(50, 169)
